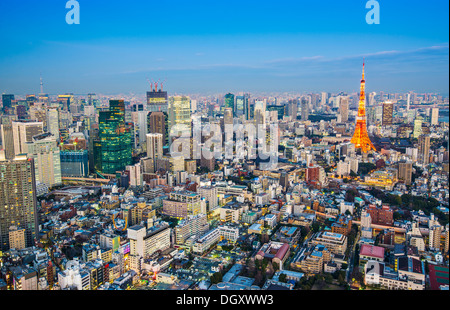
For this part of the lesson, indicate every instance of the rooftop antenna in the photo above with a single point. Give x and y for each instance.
(162, 84)
(156, 86)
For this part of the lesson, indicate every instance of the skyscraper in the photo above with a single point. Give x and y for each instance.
(229, 102)
(23, 132)
(158, 123)
(155, 146)
(113, 149)
(305, 109)
(293, 109)
(424, 149)
(7, 103)
(157, 100)
(405, 172)
(360, 137)
(259, 113)
(47, 160)
(18, 199)
(388, 109)
(417, 127)
(434, 116)
(53, 122)
(8, 141)
(179, 116)
(343, 110)
(140, 120)
(324, 99)
(241, 102)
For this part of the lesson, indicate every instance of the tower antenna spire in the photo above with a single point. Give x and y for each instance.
(360, 137)
(364, 64)
(42, 84)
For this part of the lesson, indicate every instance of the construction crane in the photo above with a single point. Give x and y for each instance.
(151, 84)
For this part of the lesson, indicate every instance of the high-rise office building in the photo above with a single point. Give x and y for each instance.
(157, 100)
(405, 172)
(155, 146)
(434, 116)
(75, 164)
(53, 122)
(417, 127)
(31, 99)
(259, 113)
(324, 99)
(179, 116)
(140, 120)
(158, 123)
(113, 149)
(293, 108)
(305, 109)
(388, 110)
(65, 101)
(343, 110)
(241, 105)
(7, 101)
(229, 102)
(47, 161)
(23, 132)
(424, 149)
(8, 141)
(18, 199)
(228, 120)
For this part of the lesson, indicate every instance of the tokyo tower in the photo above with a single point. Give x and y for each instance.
(360, 138)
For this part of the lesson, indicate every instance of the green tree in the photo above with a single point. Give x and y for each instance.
(216, 278)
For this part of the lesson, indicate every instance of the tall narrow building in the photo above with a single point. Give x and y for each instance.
(305, 109)
(434, 119)
(293, 109)
(388, 110)
(241, 102)
(17, 199)
(360, 137)
(47, 159)
(179, 116)
(8, 141)
(7, 103)
(229, 102)
(424, 149)
(158, 123)
(343, 110)
(155, 146)
(53, 122)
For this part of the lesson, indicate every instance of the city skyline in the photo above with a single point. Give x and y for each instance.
(115, 49)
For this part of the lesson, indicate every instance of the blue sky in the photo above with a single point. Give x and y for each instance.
(219, 46)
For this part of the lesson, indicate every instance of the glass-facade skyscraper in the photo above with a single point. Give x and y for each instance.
(229, 102)
(241, 105)
(179, 115)
(113, 148)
